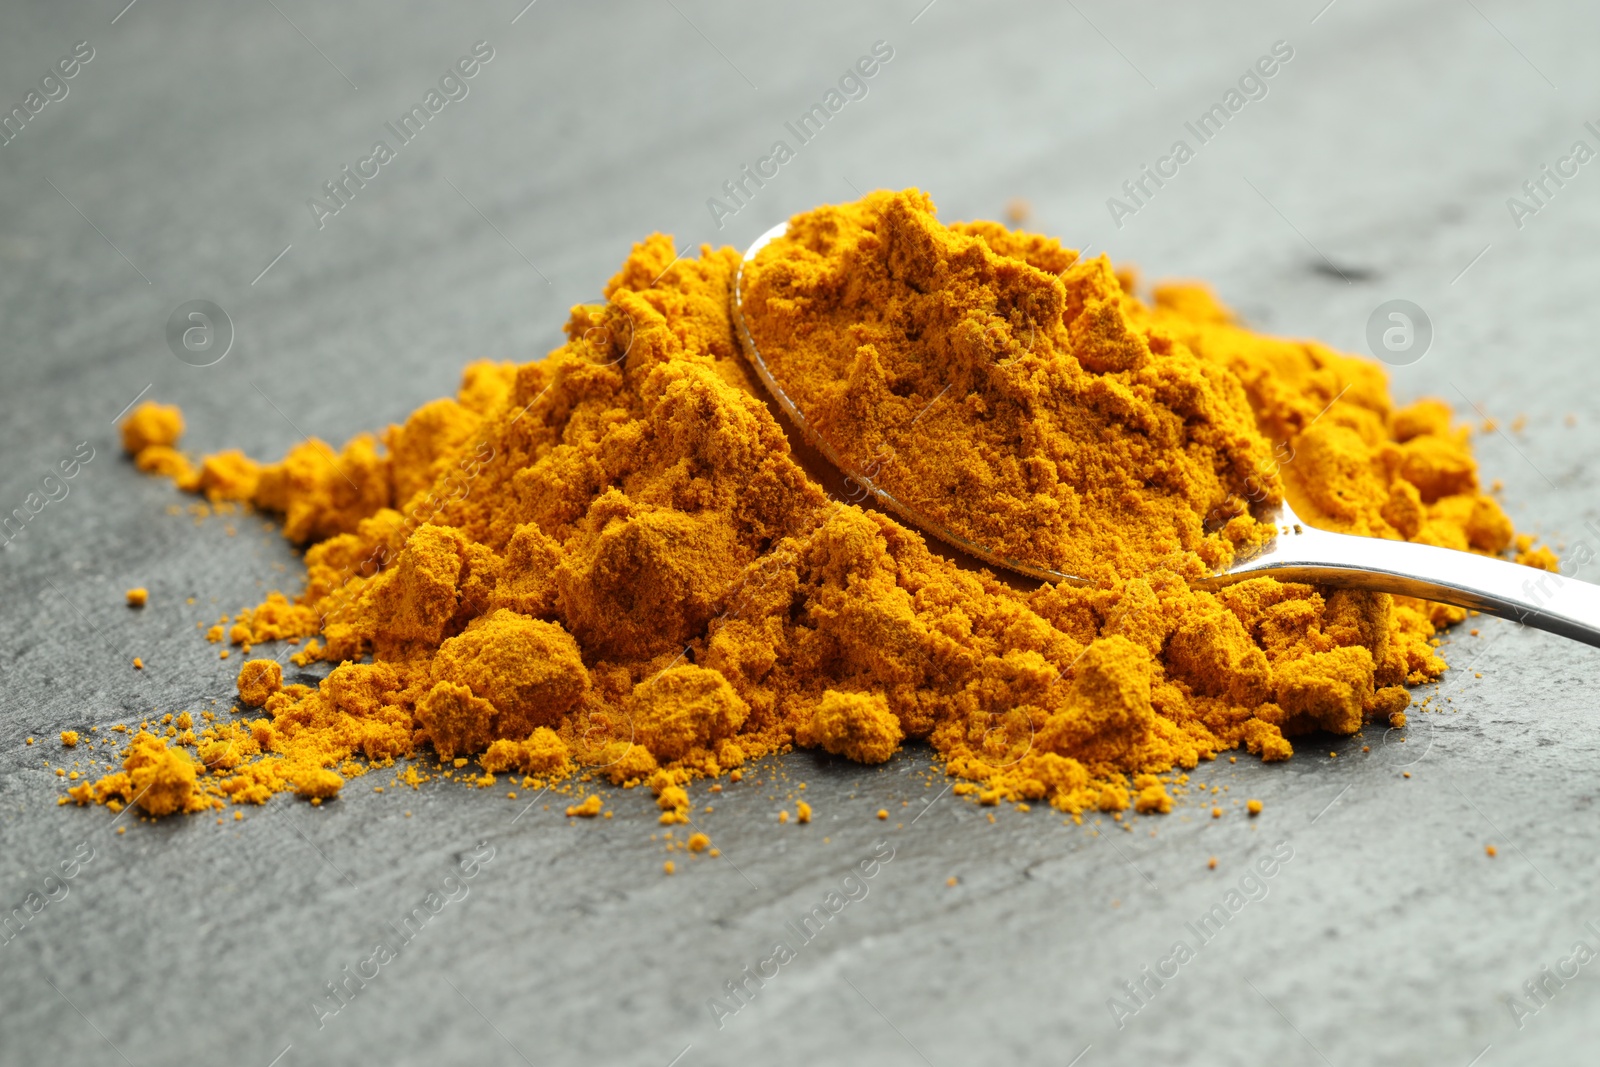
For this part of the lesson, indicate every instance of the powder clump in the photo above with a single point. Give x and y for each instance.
(686, 712)
(543, 754)
(258, 680)
(500, 678)
(151, 425)
(158, 778)
(858, 726)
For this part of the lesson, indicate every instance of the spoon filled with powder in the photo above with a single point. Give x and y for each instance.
(1003, 394)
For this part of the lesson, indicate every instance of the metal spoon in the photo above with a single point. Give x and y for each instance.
(1298, 553)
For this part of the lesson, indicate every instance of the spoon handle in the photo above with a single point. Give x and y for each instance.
(1537, 598)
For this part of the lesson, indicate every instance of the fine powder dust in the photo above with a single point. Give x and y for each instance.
(609, 562)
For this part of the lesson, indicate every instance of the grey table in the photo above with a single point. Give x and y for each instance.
(178, 166)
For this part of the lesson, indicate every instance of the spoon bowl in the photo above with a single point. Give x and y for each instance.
(863, 479)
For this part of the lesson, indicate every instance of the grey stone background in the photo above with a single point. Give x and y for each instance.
(178, 166)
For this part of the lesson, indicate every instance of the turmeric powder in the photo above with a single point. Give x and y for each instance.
(157, 778)
(1004, 389)
(610, 559)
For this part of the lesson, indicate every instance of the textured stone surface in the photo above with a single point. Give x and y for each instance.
(1377, 167)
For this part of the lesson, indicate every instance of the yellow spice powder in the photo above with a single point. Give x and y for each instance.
(610, 559)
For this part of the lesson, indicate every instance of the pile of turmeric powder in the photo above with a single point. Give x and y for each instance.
(610, 562)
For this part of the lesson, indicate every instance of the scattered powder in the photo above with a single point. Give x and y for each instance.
(588, 809)
(610, 562)
(1529, 556)
(151, 425)
(159, 779)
